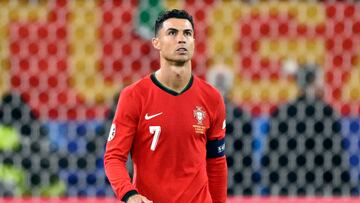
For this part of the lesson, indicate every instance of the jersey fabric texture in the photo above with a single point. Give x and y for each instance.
(166, 133)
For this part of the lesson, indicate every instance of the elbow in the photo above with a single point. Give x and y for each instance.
(111, 159)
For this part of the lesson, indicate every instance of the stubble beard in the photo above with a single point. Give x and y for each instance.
(177, 62)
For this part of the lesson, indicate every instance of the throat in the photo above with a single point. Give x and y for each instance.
(176, 82)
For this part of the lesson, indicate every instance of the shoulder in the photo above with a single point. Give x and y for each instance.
(207, 90)
(137, 88)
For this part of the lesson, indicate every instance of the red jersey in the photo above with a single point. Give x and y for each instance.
(167, 133)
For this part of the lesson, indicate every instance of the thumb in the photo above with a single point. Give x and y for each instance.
(146, 200)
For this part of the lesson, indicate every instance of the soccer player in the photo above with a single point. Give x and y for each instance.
(173, 124)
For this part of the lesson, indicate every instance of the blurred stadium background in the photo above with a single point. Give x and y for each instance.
(62, 64)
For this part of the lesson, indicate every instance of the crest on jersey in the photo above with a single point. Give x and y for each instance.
(112, 132)
(199, 114)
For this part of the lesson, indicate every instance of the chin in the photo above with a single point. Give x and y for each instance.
(180, 60)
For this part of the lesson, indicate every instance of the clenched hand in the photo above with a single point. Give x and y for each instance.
(138, 199)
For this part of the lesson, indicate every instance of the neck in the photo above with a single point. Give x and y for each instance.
(174, 76)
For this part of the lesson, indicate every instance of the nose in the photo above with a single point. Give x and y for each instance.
(181, 38)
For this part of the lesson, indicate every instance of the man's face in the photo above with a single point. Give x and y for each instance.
(175, 40)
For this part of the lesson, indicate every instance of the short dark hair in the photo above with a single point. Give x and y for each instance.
(174, 13)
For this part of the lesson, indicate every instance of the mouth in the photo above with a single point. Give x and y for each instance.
(181, 49)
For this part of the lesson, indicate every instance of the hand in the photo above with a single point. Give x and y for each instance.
(138, 199)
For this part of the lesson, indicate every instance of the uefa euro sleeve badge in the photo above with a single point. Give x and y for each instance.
(112, 132)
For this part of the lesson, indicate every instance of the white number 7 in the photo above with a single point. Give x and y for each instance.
(156, 131)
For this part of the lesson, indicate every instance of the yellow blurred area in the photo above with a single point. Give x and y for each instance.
(221, 50)
(224, 32)
(85, 53)
(351, 90)
(307, 13)
(173, 4)
(263, 90)
(301, 50)
(15, 11)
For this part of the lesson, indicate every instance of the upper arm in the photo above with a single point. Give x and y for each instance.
(215, 145)
(218, 121)
(124, 124)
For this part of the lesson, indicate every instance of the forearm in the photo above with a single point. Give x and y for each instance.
(217, 175)
(118, 176)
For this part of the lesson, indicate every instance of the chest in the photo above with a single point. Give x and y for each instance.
(178, 118)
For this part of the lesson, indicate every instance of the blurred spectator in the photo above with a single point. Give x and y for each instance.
(303, 152)
(238, 136)
(222, 78)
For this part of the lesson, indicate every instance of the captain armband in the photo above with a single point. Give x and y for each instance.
(215, 148)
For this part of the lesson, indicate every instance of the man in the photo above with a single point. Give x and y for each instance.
(173, 124)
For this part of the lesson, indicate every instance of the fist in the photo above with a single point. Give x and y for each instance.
(138, 199)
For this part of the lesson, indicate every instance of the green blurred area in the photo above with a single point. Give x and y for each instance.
(9, 138)
(17, 178)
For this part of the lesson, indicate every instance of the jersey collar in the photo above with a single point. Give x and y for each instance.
(170, 91)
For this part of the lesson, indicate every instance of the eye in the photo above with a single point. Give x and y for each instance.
(172, 32)
(188, 34)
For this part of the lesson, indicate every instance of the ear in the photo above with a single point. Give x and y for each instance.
(155, 43)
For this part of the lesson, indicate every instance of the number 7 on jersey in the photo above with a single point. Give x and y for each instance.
(156, 131)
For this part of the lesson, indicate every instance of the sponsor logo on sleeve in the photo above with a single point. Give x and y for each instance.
(112, 132)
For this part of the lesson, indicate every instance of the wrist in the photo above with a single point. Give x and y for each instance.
(128, 195)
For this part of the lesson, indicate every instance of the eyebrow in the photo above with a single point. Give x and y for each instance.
(174, 29)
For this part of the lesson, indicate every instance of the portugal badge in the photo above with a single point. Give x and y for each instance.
(200, 116)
